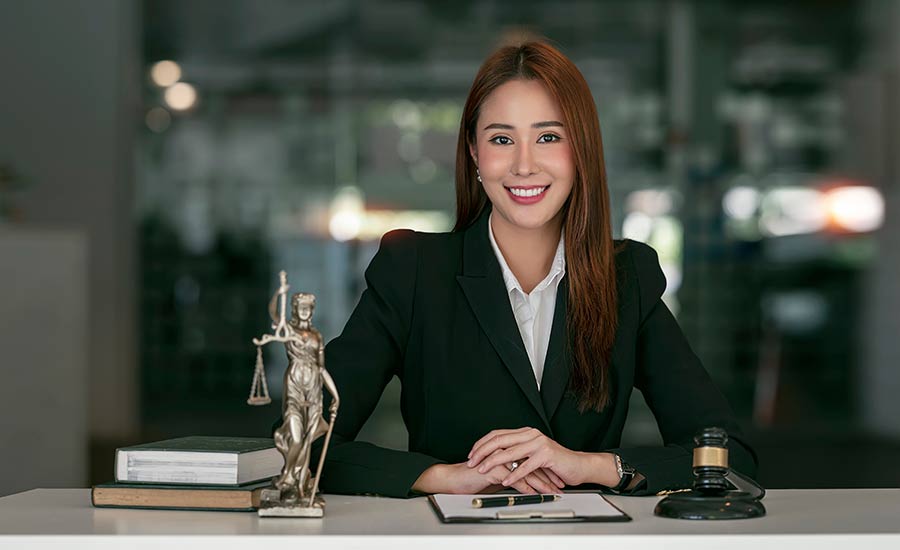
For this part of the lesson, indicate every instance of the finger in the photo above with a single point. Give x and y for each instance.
(501, 442)
(497, 458)
(530, 485)
(492, 434)
(506, 465)
(542, 484)
(524, 487)
(545, 475)
(517, 453)
(521, 472)
(555, 479)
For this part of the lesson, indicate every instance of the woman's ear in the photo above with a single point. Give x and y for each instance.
(473, 152)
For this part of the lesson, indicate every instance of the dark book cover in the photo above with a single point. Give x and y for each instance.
(178, 497)
(206, 444)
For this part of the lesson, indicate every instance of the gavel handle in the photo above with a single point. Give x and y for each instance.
(744, 483)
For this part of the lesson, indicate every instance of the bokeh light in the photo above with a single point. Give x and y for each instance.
(857, 208)
(165, 73)
(158, 119)
(181, 96)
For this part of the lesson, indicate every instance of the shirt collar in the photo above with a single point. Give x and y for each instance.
(557, 268)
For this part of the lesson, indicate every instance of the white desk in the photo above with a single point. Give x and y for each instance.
(64, 518)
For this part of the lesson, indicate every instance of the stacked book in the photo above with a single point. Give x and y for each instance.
(192, 473)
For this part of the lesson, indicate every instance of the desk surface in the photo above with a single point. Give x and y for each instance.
(873, 514)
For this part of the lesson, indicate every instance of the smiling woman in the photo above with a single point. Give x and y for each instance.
(530, 121)
(524, 161)
(519, 337)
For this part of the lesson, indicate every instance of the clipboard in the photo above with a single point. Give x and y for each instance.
(571, 508)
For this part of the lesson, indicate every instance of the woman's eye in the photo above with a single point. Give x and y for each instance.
(548, 138)
(501, 140)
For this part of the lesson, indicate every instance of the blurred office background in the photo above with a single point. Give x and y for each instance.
(162, 160)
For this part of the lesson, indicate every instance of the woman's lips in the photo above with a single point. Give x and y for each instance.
(527, 195)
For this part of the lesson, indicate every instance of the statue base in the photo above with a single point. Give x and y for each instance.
(272, 506)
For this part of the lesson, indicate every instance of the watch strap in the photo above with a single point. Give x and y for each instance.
(626, 474)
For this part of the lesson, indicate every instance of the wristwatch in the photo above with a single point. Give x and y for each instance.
(626, 474)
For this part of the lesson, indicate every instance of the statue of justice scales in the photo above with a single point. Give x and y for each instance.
(303, 421)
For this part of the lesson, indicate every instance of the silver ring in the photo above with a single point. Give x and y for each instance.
(513, 466)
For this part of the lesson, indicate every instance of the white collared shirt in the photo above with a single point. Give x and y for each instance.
(533, 312)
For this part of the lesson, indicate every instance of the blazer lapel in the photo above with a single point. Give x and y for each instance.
(482, 283)
(557, 365)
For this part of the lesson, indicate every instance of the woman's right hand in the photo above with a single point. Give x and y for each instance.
(460, 479)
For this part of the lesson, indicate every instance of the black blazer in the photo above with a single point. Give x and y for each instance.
(436, 314)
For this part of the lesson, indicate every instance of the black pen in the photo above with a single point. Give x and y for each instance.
(512, 500)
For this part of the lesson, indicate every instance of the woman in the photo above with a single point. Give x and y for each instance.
(519, 336)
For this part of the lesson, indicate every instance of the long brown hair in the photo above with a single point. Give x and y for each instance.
(592, 315)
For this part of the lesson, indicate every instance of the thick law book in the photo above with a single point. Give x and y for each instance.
(178, 497)
(199, 460)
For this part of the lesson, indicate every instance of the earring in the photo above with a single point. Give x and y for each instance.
(478, 176)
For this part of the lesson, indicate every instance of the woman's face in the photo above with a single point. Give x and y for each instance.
(523, 153)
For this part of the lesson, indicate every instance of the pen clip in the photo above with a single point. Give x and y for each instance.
(534, 514)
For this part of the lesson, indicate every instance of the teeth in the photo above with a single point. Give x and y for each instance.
(534, 191)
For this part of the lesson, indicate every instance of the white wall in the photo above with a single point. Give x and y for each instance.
(69, 106)
(43, 357)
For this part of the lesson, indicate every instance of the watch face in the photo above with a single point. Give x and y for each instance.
(626, 474)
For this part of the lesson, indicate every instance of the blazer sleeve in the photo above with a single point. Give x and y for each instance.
(362, 360)
(678, 390)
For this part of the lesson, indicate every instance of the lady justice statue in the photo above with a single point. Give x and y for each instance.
(294, 492)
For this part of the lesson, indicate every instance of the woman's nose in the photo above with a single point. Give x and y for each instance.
(524, 163)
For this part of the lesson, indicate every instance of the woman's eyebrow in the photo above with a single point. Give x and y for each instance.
(544, 124)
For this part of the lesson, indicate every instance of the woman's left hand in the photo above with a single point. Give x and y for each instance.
(533, 450)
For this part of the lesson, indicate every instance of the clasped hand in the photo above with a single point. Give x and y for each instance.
(543, 464)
